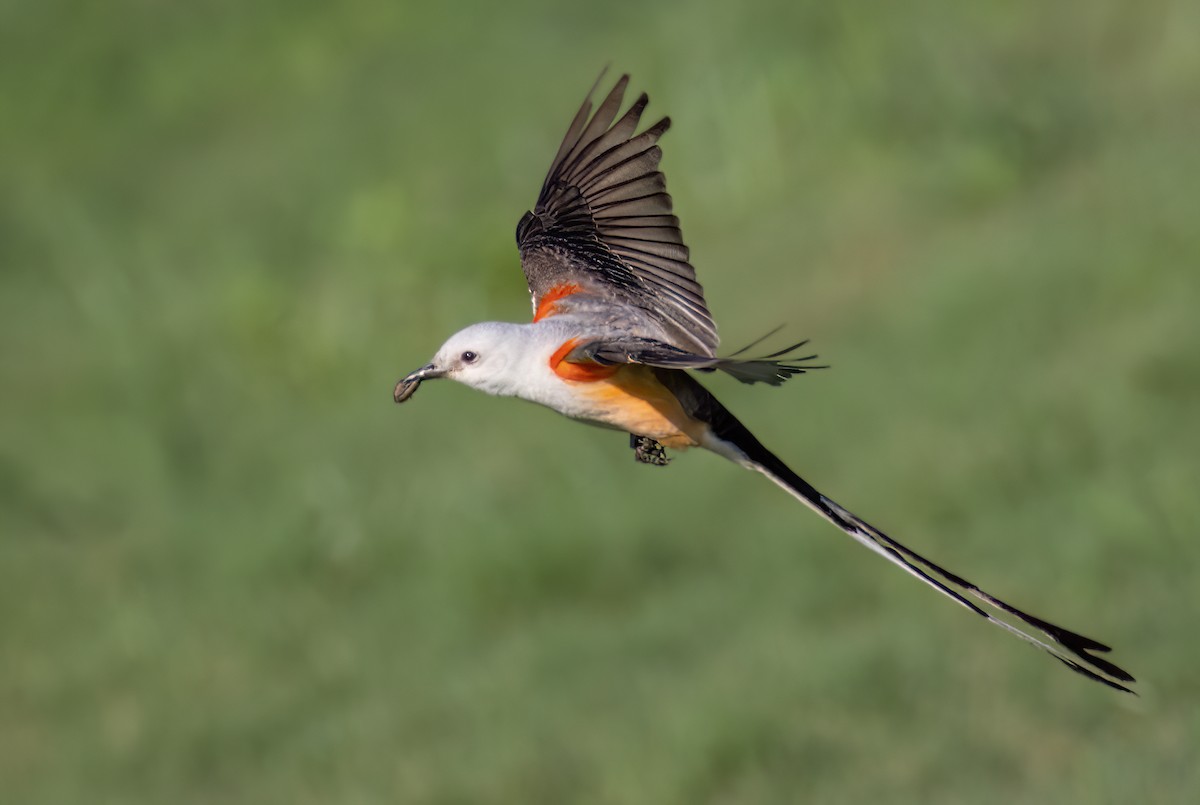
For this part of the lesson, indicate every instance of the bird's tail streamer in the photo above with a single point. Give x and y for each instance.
(1073, 650)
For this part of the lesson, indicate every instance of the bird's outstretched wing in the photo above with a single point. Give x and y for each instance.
(603, 225)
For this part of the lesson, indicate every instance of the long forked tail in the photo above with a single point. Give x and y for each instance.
(1073, 650)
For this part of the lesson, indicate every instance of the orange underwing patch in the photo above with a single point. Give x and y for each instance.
(582, 372)
(548, 303)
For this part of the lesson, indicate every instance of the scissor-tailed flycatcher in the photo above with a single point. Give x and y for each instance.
(619, 319)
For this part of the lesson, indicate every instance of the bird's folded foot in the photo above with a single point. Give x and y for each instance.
(648, 451)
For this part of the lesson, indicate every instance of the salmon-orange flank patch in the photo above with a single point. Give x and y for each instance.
(582, 372)
(636, 401)
(548, 303)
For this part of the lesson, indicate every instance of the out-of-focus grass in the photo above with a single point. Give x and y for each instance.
(231, 569)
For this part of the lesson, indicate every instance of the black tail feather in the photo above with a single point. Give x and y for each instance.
(1071, 649)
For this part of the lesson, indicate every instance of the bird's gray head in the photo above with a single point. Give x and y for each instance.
(477, 356)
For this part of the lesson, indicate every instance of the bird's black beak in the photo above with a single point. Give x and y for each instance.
(407, 386)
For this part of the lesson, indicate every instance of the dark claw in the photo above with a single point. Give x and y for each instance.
(648, 451)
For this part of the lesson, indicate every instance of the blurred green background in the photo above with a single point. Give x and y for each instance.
(232, 570)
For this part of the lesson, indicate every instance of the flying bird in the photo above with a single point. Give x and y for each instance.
(620, 323)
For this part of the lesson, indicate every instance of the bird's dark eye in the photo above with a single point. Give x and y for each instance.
(469, 357)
